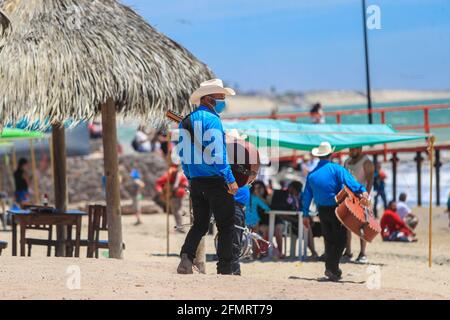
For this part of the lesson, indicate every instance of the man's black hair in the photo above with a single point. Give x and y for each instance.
(22, 162)
(296, 185)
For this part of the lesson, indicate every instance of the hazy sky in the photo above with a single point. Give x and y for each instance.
(310, 44)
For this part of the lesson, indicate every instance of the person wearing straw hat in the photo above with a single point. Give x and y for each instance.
(322, 185)
(203, 155)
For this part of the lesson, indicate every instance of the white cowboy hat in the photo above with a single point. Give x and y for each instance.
(213, 86)
(323, 150)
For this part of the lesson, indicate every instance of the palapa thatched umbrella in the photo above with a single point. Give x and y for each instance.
(74, 59)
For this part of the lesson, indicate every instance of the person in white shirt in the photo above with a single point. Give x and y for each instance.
(142, 140)
(406, 213)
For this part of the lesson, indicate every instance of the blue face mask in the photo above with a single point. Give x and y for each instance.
(220, 106)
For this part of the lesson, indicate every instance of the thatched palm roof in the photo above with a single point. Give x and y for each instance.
(62, 58)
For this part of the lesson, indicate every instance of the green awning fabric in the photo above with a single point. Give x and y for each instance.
(12, 134)
(308, 136)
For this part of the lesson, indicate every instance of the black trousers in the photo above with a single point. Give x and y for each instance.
(210, 194)
(239, 220)
(335, 235)
(380, 193)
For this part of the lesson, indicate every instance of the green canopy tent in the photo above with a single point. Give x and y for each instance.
(284, 134)
(9, 134)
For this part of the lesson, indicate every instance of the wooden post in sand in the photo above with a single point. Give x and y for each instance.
(168, 194)
(52, 160)
(111, 164)
(430, 213)
(13, 158)
(37, 196)
(60, 181)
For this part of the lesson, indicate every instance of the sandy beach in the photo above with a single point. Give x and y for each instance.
(146, 273)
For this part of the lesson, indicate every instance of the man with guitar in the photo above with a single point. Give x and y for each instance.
(203, 154)
(323, 184)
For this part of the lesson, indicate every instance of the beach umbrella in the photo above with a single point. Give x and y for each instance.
(13, 134)
(74, 59)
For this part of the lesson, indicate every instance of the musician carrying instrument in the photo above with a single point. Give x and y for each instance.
(356, 216)
(242, 155)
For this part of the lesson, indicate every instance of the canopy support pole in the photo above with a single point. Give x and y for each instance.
(111, 166)
(438, 165)
(34, 172)
(394, 175)
(419, 160)
(60, 182)
(430, 214)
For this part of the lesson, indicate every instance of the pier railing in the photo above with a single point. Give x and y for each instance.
(425, 126)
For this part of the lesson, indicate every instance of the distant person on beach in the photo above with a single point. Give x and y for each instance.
(261, 192)
(405, 212)
(308, 164)
(161, 138)
(95, 129)
(322, 185)
(141, 142)
(317, 114)
(177, 190)
(136, 193)
(212, 183)
(21, 181)
(393, 227)
(379, 185)
(362, 169)
(257, 203)
(295, 202)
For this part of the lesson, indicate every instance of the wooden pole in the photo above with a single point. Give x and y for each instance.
(52, 157)
(168, 195)
(60, 182)
(419, 160)
(111, 164)
(5, 164)
(37, 196)
(430, 214)
(14, 158)
(437, 165)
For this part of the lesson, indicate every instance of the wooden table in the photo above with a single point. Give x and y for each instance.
(302, 236)
(26, 218)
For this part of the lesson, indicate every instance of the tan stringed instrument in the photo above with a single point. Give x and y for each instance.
(243, 156)
(356, 216)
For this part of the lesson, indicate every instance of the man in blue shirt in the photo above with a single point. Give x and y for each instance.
(323, 184)
(203, 154)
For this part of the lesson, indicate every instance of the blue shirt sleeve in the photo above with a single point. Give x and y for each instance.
(223, 167)
(346, 178)
(307, 198)
(260, 203)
